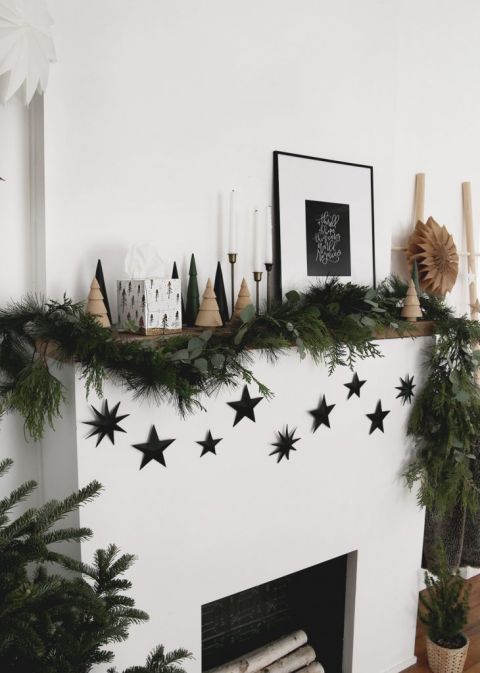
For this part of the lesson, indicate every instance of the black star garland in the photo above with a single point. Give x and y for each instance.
(106, 423)
(285, 444)
(406, 389)
(245, 406)
(321, 414)
(153, 448)
(377, 418)
(354, 386)
(208, 445)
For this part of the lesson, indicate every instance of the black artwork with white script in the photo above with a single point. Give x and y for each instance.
(327, 238)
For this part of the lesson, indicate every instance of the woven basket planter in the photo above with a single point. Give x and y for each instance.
(445, 660)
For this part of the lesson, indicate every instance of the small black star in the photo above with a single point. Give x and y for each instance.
(285, 444)
(377, 418)
(209, 444)
(354, 386)
(406, 389)
(244, 407)
(153, 449)
(320, 414)
(106, 423)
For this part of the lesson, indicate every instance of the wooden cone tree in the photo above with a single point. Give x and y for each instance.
(244, 299)
(411, 309)
(208, 313)
(96, 305)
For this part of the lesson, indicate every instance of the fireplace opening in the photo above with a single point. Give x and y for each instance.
(311, 600)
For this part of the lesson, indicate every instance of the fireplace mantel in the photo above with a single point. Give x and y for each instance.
(204, 528)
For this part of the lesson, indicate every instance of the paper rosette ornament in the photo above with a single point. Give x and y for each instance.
(26, 48)
(436, 254)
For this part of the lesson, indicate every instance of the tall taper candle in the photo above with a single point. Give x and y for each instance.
(257, 247)
(232, 236)
(269, 236)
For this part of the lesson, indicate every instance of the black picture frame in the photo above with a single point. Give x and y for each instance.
(279, 274)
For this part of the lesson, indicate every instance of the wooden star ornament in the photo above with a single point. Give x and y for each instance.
(321, 414)
(245, 406)
(377, 418)
(354, 386)
(208, 444)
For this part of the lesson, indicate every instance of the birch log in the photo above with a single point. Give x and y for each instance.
(472, 261)
(419, 212)
(292, 662)
(316, 667)
(264, 656)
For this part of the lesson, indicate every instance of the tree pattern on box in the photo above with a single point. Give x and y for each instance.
(411, 308)
(208, 314)
(193, 301)
(219, 289)
(146, 303)
(244, 299)
(96, 305)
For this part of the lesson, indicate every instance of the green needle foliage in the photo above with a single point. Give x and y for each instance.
(445, 420)
(159, 661)
(445, 604)
(51, 623)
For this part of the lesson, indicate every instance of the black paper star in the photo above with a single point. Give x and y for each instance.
(106, 423)
(153, 449)
(406, 389)
(320, 414)
(377, 418)
(354, 386)
(285, 444)
(209, 444)
(244, 407)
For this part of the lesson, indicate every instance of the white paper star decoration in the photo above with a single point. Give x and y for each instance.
(26, 48)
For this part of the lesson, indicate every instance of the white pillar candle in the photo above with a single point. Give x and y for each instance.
(269, 236)
(232, 235)
(257, 247)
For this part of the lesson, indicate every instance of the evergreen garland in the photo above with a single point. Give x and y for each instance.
(334, 323)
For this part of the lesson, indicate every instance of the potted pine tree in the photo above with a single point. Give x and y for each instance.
(444, 613)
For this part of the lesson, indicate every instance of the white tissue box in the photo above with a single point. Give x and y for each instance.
(150, 306)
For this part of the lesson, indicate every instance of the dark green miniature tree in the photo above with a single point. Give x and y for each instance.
(193, 297)
(445, 603)
(219, 289)
(50, 623)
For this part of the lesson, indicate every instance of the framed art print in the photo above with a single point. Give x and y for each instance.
(324, 221)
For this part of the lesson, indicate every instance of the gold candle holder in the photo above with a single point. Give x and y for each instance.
(232, 258)
(268, 268)
(257, 277)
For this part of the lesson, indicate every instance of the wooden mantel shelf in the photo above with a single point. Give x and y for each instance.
(421, 328)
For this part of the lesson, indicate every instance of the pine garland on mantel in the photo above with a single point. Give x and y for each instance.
(334, 323)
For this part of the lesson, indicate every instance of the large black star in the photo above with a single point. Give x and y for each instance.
(406, 389)
(106, 423)
(320, 414)
(285, 444)
(377, 418)
(153, 448)
(244, 407)
(209, 444)
(354, 386)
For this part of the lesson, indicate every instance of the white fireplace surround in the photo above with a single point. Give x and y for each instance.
(204, 528)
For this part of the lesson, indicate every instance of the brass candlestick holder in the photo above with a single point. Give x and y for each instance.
(232, 258)
(257, 277)
(269, 267)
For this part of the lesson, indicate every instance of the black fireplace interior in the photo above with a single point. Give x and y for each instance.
(312, 599)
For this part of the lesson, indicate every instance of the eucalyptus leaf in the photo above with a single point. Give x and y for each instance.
(218, 360)
(206, 336)
(247, 314)
(195, 353)
(239, 335)
(194, 343)
(181, 355)
(293, 297)
(202, 365)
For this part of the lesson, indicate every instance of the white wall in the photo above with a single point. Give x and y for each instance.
(438, 108)
(155, 108)
(15, 266)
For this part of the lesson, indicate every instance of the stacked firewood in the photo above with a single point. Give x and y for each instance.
(290, 654)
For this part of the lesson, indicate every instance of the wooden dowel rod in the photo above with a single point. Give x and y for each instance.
(419, 210)
(472, 262)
